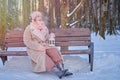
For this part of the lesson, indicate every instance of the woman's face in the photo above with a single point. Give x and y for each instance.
(38, 18)
(39, 21)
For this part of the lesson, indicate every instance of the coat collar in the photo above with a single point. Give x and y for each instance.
(39, 34)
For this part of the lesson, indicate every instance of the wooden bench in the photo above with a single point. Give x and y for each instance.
(64, 38)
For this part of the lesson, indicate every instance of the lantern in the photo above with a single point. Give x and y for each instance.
(52, 41)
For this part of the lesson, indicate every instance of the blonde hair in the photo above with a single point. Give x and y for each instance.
(44, 17)
(34, 14)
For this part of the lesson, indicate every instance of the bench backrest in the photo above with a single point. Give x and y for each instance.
(14, 39)
(64, 37)
(72, 37)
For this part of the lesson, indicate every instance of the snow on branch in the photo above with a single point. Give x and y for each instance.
(76, 8)
(71, 24)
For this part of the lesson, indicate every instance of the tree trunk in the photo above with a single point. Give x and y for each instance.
(64, 11)
(51, 13)
(41, 6)
(25, 13)
(57, 13)
(2, 22)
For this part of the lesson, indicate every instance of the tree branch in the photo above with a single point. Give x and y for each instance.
(75, 22)
(76, 9)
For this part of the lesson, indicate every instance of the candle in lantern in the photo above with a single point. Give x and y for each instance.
(52, 40)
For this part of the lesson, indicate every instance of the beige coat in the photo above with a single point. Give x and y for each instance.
(34, 39)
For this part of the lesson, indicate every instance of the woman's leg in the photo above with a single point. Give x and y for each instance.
(56, 57)
(49, 63)
(54, 54)
(50, 66)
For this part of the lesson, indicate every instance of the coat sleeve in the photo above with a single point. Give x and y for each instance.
(28, 40)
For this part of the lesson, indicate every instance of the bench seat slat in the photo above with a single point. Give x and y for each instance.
(13, 53)
(76, 52)
(24, 53)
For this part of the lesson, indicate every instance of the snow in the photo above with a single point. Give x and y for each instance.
(71, 13)
(106, 64)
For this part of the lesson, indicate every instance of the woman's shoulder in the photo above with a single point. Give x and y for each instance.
(27, 27)
(30, 27)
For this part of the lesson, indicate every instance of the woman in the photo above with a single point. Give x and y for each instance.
(36, 36)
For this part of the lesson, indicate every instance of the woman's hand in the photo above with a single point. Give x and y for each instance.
(52, 34)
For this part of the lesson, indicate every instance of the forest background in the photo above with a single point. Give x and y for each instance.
(101, 16)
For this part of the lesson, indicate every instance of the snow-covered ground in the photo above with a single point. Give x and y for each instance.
(106, 64)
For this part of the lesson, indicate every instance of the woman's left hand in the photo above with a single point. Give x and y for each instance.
(52, 34)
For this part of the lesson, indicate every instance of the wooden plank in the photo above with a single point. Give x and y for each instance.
(72, 38)
(71, 32)
(76, 52)
(13, 53)
(9, 40)
(14, 33)
(73, 43)
(58, 32)
(24, 53)
(57, 39)
(19, 44)
(70, 43)
(9, 35)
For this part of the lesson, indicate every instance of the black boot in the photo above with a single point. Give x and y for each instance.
(62, 73)
(68, 74)
(58, 72)
(61, 68)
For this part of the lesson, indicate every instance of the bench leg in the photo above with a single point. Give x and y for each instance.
(91, 61)
(91, 57)
(3, 58)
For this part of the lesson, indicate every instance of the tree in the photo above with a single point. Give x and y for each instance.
(101, 16)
